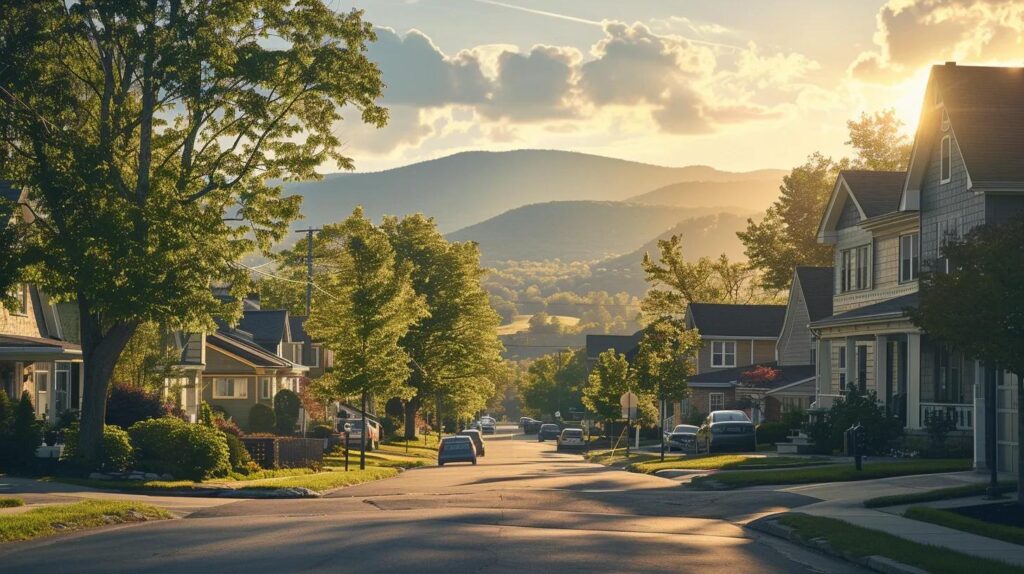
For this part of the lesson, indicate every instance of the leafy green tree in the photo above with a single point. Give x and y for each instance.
(367, 307)
(879, 144)
(147, 359)
(454, 346)
(149, 134)
(664, 363)
(26, 433)
(978, 308)
(676, 282)
(610, 378)
(555, 383)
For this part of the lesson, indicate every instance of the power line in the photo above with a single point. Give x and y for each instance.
(272, 276)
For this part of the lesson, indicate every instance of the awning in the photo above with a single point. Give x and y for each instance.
(21, 348)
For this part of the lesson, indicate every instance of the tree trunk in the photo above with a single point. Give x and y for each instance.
(412, 408)
(100, 352)
(661, 429)
(362, 435)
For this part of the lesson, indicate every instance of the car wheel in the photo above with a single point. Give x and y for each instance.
(474, 462)
(440, 464)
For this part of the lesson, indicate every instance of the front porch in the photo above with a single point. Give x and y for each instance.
(51, 371)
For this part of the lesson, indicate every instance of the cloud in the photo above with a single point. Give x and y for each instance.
(534, 86)
(405, 127)
(416, 72)
(911, 34)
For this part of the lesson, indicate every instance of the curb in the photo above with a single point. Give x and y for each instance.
(770, 525)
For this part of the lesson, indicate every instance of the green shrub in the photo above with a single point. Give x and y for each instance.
(262, 419)
(117, 453)
(880, 428)
(238, 457)
(772, 433)
(227, 426)
(169, 445)
(205, 414)
(286, 409)
(129, 404)
(6, 426)
(321, 431)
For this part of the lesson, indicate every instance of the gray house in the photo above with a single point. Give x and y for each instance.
(966, 169)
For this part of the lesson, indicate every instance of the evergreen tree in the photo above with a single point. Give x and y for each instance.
(367, 306)
(26, 434)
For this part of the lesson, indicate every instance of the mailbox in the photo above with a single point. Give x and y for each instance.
(855, 442)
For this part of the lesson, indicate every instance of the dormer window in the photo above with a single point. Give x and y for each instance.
(945, 165)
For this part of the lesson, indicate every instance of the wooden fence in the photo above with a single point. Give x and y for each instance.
(285, 452)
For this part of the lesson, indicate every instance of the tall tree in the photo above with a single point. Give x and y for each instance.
(978, 308)
(454, 347)
(147, 359)
(610, 378)
(366, 308)
(147, 131)
(555, 383)
(878, 142)
(664, 363)
(676, 282)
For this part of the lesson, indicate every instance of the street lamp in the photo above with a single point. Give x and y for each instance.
(348, 429)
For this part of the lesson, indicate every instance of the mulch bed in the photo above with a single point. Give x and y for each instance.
(1005, 513)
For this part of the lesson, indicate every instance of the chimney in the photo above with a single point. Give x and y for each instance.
(950, 64)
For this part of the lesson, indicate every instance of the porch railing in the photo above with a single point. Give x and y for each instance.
(962, 415)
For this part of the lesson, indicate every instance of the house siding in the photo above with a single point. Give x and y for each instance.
(763, 352)
(946, 204)
(26, 325)
(849, 216)
(794, 346)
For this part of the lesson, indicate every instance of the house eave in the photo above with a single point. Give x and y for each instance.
(895, 220)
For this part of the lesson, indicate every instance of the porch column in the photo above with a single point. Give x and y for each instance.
(914, 380)
(851, 361)
(980, 426)
(824, 367)
(882, 369)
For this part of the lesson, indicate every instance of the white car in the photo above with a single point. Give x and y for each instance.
(571, 439)
(487, 425)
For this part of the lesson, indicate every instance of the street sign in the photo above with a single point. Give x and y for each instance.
(629, 402)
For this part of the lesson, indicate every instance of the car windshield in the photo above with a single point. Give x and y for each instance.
(684, 429)
(456, 445)
(729, 416)
(469, 433)
(572, 433)
(549, 427)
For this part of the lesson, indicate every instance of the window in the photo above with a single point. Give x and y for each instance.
(814, 355)
(266, 387)
(62, 387)
(853, 269)
(842, 367)
(910, 257)
(224, 388)
(314, 357)
(42, 404)
(862, 366)
(723, 353)
(716, 401)
(945, 167)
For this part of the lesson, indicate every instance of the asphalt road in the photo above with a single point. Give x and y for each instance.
(524, 508)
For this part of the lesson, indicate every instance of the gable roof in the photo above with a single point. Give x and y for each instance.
(723, 320)
(268, 328)
(297, 325)
(873, 193)
(248, 351)
(623, 344)
(816, 286)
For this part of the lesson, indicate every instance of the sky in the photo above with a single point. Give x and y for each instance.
(734, 84)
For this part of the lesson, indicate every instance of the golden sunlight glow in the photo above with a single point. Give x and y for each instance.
(908, 97)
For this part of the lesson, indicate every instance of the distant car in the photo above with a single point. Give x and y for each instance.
(356, 433)
(478, 439)
(531, 426)
(571, 439)
(523, 421)
(727, 430)
(548, 431)
(682, 438)
(487, 425)
(456, 449)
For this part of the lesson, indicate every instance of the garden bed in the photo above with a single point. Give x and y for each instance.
(1003, 520)
(976, 489)
(728, 480)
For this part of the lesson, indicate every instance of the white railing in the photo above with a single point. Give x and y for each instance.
(824, 401)
(669, 423)
(962, 415)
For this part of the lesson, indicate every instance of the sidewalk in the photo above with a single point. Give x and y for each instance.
(845, 501)
(37, 492)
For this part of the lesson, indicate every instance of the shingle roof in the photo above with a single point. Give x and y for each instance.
(986, 110)
(246, 350)
(298, 328)
(267, 327)
(787, 375)
(720, 320)
(623, 344)
(816, 285)
(877, 192)
(896, 306)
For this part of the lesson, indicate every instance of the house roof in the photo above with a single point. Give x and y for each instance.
(787, 375)
(891, 307)
(298, 329)
(722, 320)
(877, 192)
(986, 110)
(18, 347)
(268, 328)
(246, 350)
(623, 344)
(816, 286)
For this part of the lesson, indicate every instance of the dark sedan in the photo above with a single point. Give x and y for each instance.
(456, 449)
(478, 439)
(682, 438)
(727, 430)
(548, 432)
(531, 426)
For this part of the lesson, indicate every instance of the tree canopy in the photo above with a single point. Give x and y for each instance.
(149, 133)
(610, 378)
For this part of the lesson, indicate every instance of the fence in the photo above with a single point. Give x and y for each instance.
(285, 452)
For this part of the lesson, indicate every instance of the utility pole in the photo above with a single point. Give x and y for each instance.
(309, 265)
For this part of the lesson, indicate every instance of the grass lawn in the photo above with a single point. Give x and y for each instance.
(421, 442)
(322, 481)
(11, 502)
(618, 457)
(832, 473)
(863, 542)
(725, 462)
(49, 520)
(966, 523)
(937, 494)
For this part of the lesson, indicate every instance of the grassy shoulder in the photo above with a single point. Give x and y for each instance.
(11, 502)
(966, 524)
(863, 542)
(832, 473)
(50, 520)
(618, 457)
(726, 462)
(321, 481)
(936, 494)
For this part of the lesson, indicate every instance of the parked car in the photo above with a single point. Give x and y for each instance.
(487, 425)
(456, 449)
(571, 439)
(548, 431)
(356, 432)
(478, 439)
(523, 421)
(727, 430)
(682, 438)
(532, 426)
